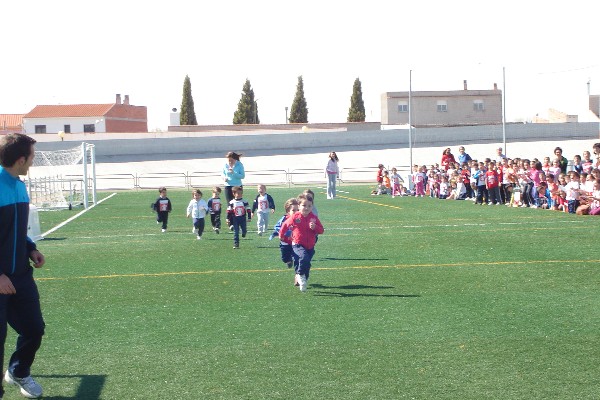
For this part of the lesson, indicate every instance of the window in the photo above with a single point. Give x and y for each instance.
(67, 129)
(442, 106)
(89, 128)
(402, 106)
(478, 105)
(40, 129)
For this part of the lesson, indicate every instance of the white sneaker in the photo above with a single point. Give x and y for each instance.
(163, 230)
(29, 388)
(199, 238)
(194, 230)
(302, 282)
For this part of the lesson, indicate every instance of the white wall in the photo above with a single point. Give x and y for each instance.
(54, 125)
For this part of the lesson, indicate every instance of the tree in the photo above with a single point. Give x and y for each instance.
(356, 113)
(299, 111)
(188, 115)
(247, 111)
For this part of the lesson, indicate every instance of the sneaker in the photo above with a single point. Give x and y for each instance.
(29, 388)
(296, 280)
(230, 227)
(217, 231)
(163, 230)
(302, 283)
(290, 264)
(194, 230)
(236, 246)
(199, 237)
(243, 235)
(260, 233)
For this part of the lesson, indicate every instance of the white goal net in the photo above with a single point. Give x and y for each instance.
(63, 178)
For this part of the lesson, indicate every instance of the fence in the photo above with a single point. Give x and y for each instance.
(300, 176)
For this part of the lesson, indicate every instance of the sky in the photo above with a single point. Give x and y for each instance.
(79, 52)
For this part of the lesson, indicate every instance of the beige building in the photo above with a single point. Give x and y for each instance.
(443, 108)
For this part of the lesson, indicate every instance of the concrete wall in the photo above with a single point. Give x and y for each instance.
(124, 148)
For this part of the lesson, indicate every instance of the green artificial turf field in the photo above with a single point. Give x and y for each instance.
(409, 298)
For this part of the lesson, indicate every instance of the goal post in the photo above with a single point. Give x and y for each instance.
(63, 178)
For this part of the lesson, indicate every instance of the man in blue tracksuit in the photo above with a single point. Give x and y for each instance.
(19, 297)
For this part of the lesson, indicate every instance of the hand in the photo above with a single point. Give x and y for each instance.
(6, 286)
(312, 225)
(38, 259)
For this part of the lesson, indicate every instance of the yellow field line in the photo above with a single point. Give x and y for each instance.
(369, 202)
(398, 266)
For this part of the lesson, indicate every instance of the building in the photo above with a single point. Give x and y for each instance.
(119, 117)
(443, 108)
(11, 123)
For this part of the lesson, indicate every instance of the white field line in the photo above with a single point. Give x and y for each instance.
(75, 216)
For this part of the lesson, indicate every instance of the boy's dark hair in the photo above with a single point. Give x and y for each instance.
(14, 146)
(237, 189)
(216, 189)
(162, 189)
(198, 191)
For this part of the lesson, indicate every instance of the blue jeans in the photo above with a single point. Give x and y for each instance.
(302, 258)
(239, 223)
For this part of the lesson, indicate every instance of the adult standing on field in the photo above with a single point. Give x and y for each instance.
(19, 298)
(561, 159)
(462, 156)
(233, 173)
(332, 171)
(447, 158)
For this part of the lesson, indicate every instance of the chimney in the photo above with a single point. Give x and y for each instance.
(118, 100)
(465, 84)
(495, 86)
(126, 100)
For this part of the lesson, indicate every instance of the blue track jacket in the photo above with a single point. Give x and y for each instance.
(15, 246)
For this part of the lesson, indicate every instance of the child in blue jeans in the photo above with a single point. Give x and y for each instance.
(304, 226)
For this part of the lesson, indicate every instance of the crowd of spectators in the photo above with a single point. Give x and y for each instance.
(553, 183)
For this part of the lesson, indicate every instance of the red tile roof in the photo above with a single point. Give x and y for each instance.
(69, 110)
(10, 121)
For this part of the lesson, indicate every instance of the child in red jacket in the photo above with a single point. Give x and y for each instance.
(304, 227)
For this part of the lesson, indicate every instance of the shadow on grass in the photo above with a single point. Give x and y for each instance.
(352, 259)
(337, 293)
(319, 286)
(89, 388)
(54, 238)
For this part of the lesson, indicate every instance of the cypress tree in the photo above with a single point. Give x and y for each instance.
(356, 112)
(247, 110)
(299, 111)
(188, 115)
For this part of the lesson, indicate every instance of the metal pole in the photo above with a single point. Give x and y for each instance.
(286, 117)
(93, 161)
(410, 120)
(84, 162)
(504, 112)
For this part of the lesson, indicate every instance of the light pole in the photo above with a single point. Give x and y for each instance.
(286, 118)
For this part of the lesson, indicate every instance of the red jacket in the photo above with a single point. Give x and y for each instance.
(301, 232)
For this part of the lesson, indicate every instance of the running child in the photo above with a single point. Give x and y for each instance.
(197, 209)
(237, 211)
(262, 206)
(285, 244)
(214, 207)
(304, 226)
(162, 206)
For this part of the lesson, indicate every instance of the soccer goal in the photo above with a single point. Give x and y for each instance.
(63, 178)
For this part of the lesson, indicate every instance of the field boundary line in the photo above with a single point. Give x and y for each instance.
(57, 227)
(397, 266)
